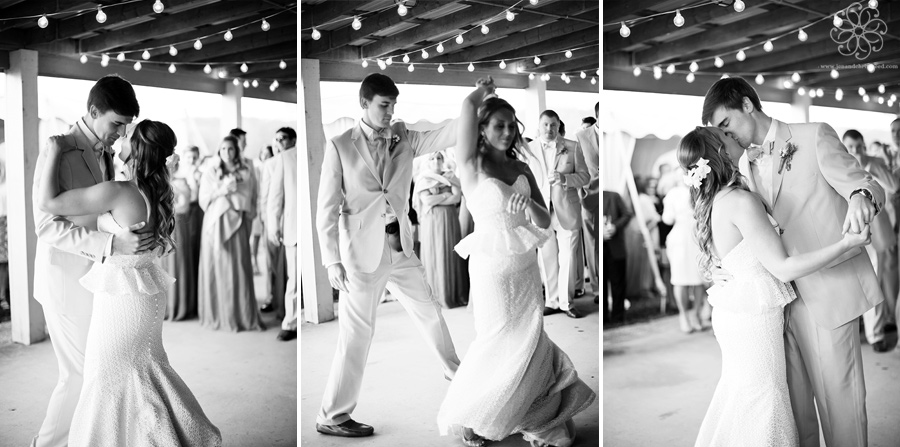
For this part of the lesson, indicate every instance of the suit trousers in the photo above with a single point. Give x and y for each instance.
(290, 292)
(615, 284)
(591, 220)
(557, 260)
(404, 277)
(875, 318)
(825, 371)
(68, 334)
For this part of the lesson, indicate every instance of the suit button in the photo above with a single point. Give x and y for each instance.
(385, 191)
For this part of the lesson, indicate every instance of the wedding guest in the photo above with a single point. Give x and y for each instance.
(241, 136)
(226, 295)
(683, 252)
(258, 229)
(190, 165)
(182, 296)
(4, 245)
(615, 218)
(276, 257)
(435, 197)
(587, 122)
(882, 251)
(281, 214)
(589, 140)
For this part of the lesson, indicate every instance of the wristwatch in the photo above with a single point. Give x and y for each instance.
(867, 194)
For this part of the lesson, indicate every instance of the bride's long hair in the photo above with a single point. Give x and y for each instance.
(704, 143)
(152, 142)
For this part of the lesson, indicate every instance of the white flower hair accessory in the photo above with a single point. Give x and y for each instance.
(171, 161)
(696, 175)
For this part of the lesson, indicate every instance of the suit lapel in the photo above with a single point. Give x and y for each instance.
(538, 152)
(747, 171)
(782, 137)
(560, 145)
(361, 147)
(92, 164)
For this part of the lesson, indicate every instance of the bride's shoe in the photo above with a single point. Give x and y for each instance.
(695, 323)
(685, 326)
(471, 439)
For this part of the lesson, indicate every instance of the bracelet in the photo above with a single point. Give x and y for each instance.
(867, 194)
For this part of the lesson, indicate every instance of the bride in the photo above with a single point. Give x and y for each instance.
(751, 405)
(513, 378)
(131, 395)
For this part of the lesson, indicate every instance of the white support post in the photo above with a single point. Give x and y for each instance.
(231, 108)
(22, 148)
(800, 108)
(536, 94)
(317, 299)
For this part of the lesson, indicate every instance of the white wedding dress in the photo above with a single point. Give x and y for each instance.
(513, 379)
(751, 406)
(131, 395)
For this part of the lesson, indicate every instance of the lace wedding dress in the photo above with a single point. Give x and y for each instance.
(751, 405)
(513, 379)
(131, 395)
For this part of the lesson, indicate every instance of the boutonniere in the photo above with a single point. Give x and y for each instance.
(394, 140)
(787, 154)
(563, 150)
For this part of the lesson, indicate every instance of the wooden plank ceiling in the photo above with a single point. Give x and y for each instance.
(547, 29)
(716, 29)
(132, 27)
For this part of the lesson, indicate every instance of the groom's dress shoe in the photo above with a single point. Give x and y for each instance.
(880, 346)
(574, 313)
(551, 310)
(347, 429)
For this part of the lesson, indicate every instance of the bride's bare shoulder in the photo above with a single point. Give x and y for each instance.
(737, 201)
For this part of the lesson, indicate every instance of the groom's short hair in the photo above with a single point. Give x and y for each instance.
(112, 92)
(377, 84)
(854, 134)
(728, 92)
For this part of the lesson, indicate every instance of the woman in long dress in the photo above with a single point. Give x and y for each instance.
(751, 405)
(684, 256)
(435, 197)
(513, 379)
(182, 302)
(131, 395)
(228, 192)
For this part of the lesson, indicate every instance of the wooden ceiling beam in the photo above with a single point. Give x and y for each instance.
(326, 11)
(249, 48)
(189, 36)
(856, 79)
(31, 8)
(331, 40)
(560, 58)
(167, 26)
(619, 11)
(587, 62)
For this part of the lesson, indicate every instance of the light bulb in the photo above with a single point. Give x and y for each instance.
(104, 60)
(83, 58)
(568, 81)
(389, 61)
(198, 45)
(265, 25)
(839, 94)
(471, 67)
(510, 16)
(881, 88)
(795, 77)
(834, 73)
(365, 63)
(171, 68)
(273, 86)
(158, 7)
(820, 93)
(670, 69)
(236, 82)
(624, 31)
(594, 80)
(787, 83)
(739, 6)
(101, 16)
(207, 69)
(381, 64)
(533, 2)
(316, 35)
(244, 67)
(893, 97)
(718, 62)
(801, 91)
(440, 68)
(694, 67)
(802, 36)
(43, 22)
(837, 21)
(568, 54)
(411, 68)
(246, 84)
(768, 47)
(531, 76)
(502, 65)
(121, 57)
(402, 10)
(424, 54)
(741, 55)
(812, 93)
(760, 79)
(636, 71)
(861, 91)
(485, 29)
(537, 60)
(137, 66)
(282, 65)
(690, 78)
(873, 4)
(880, 100)
(440, 47)
(459, 39)
(870, 67)
(405, 58)
(222, 74)
(865, 98)
(679, 19)
(254, 83)
(145, 55)
(356, 23)
(657, 73)
(582, 75)
(228, 36)
(173, 51)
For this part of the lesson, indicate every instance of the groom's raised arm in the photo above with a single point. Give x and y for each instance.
(841, 170)
(433, 140)
(329, 205)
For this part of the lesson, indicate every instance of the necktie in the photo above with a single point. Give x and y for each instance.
(100, 152)
(766, 148)
(378, 148)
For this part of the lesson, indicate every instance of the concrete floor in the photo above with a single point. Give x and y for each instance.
(658, 382)
(404, 387)
(246, 382)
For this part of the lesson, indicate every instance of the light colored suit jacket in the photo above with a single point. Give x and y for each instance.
(811, 201)
(569, 162)
(281, 203)
(67, 247)
(351, 202)
(589, 140)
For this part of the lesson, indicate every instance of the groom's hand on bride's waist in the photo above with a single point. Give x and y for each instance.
(127, 242)
(720, 276)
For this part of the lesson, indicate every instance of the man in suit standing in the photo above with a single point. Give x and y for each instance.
(367, 244)
(281, 213)
(285, 139)
(589, 140)
(810, 182)
(615, 217)
(559, 169)
(67, 247)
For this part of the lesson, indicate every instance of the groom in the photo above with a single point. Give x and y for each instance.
(367, 245)
(816, 191)
(67, 247)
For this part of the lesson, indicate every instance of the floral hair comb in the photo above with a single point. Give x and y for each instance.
(698, 173)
